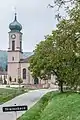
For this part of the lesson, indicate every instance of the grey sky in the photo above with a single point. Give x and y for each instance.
(37, 21)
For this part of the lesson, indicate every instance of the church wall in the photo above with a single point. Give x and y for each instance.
(21, 55)
(16, 56)
(17, 40)
(13, 71)
(29, 79)
(16, 53)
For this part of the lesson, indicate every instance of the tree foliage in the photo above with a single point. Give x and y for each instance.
(59, 53)
(62, 5)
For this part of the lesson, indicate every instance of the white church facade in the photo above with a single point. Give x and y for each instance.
(17, 65)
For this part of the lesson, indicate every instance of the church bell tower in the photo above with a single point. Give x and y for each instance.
(15, 50)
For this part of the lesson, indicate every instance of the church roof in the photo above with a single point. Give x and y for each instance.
(26, 60)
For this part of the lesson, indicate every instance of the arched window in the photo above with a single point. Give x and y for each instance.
(24, 73)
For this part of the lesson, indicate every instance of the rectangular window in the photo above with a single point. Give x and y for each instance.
(12, 58)
(13, 45)
(20, 46)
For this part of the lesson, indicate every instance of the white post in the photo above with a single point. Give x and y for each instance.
(15, 113)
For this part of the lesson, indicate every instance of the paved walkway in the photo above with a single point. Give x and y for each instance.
(28, 99)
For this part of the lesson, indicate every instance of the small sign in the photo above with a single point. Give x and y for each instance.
(14, 108)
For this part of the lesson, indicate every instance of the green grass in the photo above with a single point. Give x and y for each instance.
(8, 94)
(55, 106)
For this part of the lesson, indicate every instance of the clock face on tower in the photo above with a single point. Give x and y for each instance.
(13, 36)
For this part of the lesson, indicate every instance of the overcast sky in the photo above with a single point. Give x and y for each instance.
(37, 21)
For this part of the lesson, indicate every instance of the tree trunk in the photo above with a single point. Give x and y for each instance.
(60, 81)
(61, 86)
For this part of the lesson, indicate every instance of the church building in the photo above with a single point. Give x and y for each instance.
(17, 65)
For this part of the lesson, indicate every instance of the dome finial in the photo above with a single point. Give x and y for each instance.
(15, 14)
(15, 25)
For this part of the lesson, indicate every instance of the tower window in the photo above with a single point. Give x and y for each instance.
(12, 58)
(20, 37)
(24, 73)
(13, 45)
(20, 46)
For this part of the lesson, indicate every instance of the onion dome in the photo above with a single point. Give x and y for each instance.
(15, 25)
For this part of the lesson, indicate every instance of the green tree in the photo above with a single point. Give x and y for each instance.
(59, 52)
(64, 5)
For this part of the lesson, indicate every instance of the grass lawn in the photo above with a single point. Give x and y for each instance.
(8, 94)
(55, 106)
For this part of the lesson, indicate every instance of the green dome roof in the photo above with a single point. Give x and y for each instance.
(15, 25)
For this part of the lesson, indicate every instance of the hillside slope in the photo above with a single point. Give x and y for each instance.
(4, 56)
(55, 106)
